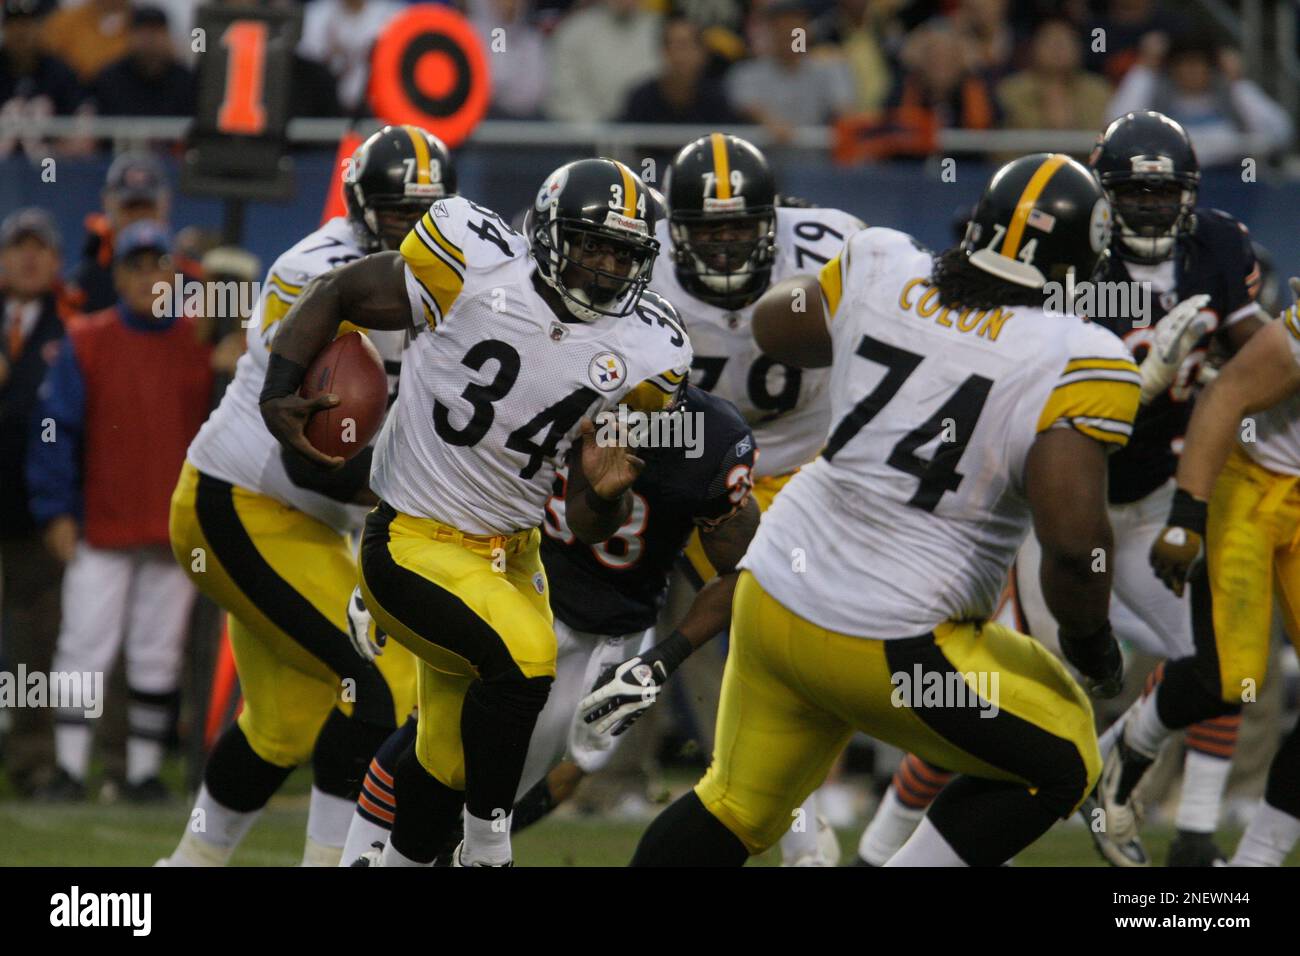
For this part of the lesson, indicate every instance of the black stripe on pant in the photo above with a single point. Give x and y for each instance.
(288, 610)
(432, 613)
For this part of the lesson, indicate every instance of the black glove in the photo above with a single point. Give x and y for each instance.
(1097, 657)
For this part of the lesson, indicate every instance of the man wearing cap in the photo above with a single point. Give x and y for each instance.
(33, 83)
(127, 392)
(148, 81)
(136, 188)
(30, 331)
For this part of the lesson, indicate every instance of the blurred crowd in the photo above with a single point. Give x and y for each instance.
(899, 67)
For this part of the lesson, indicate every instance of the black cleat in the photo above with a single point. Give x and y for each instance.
(371, 856)
(1195, 849)
(62, 787)
(150, 791)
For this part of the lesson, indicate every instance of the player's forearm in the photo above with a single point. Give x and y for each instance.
(1210, 437)
(710, 612)
(1076, 581)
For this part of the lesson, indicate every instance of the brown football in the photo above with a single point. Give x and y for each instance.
(349, 367)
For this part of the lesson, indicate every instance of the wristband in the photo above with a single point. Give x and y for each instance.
(599, 505)
(283, 376)
(672, 650)
(1188, 512)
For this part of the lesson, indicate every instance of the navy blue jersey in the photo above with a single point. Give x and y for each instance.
(1214, 258)
(617, 586)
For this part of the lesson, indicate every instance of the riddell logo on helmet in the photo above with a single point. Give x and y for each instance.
(1152, 164)
(619, 221)
(734, 204)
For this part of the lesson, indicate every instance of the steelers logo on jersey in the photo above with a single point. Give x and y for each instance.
(607, 371)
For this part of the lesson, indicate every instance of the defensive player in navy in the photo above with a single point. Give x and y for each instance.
(519, 340)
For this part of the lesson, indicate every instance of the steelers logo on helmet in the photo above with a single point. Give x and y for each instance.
(591, 232)
(1041, 219)
(607, 371)
(390, 181)
(722, 220)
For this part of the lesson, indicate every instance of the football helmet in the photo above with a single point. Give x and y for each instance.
(392, 179)
(592, 234)
(1042, 218)
(722, 220)
(1149, 171)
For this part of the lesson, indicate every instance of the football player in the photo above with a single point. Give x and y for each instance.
(606, 598)
(1234, 537)
(519, 339)
(1201, 275)
(961, 411)
(265, 533)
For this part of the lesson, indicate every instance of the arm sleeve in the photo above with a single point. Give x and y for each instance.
(435, 259)
(53, 467)
(1097, 395)
(731, 482)
(341, 484)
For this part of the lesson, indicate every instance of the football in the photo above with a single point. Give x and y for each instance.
(349, 367)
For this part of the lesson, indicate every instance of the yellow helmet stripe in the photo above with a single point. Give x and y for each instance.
(721, 166)
(421, 147)
(1034, 189)
(629, 190)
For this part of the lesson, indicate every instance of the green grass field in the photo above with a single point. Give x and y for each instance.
(118, 835)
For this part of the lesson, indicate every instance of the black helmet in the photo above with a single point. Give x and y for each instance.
(392, 179)
(1149, 170)
(722, 179)
(602, 202)
(1041, 217)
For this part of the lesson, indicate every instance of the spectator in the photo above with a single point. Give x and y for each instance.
(516, 57)
(339, 34)
(1055, 92)
(598, 54)
(786, 87)
(682, 93)
(1120, 32)
(148, 81)
(722, 25)
(90, 36)
(942, 81)
(127, 392)
(33, 84)
(29, 265)
(1200, 84)
(990, 38)
(136, 189)
(856, 28)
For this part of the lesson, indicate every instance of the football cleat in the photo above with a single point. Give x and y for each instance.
(455, 858)
(1118, 839)
(370, 857)
(1195, 849)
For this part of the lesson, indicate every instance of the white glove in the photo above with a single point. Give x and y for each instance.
(367, 639)
(1175, 337)
(622, 694)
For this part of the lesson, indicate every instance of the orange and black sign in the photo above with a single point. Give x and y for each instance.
(429, 68)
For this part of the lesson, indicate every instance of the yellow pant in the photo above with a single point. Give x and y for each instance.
(467, 606)
(285, 579)
(793, 693)
(1252, 541)
(765, 489)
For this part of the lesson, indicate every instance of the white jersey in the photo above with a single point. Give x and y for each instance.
(1276, 443)
(914, 511)
(787, 408)
(234, 444)
(494, 384)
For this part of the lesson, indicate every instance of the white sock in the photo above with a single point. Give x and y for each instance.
(888, 830)
(392, 857)
(212, 834)
(144, 758)
(72, 747)
(1143, 730)
(1270, 837)
(362, 835)
(1204, 778)
(926, 847)
(487, 842)
(318, 854)
(327, 823)
(800, 841)
(1106, 742)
